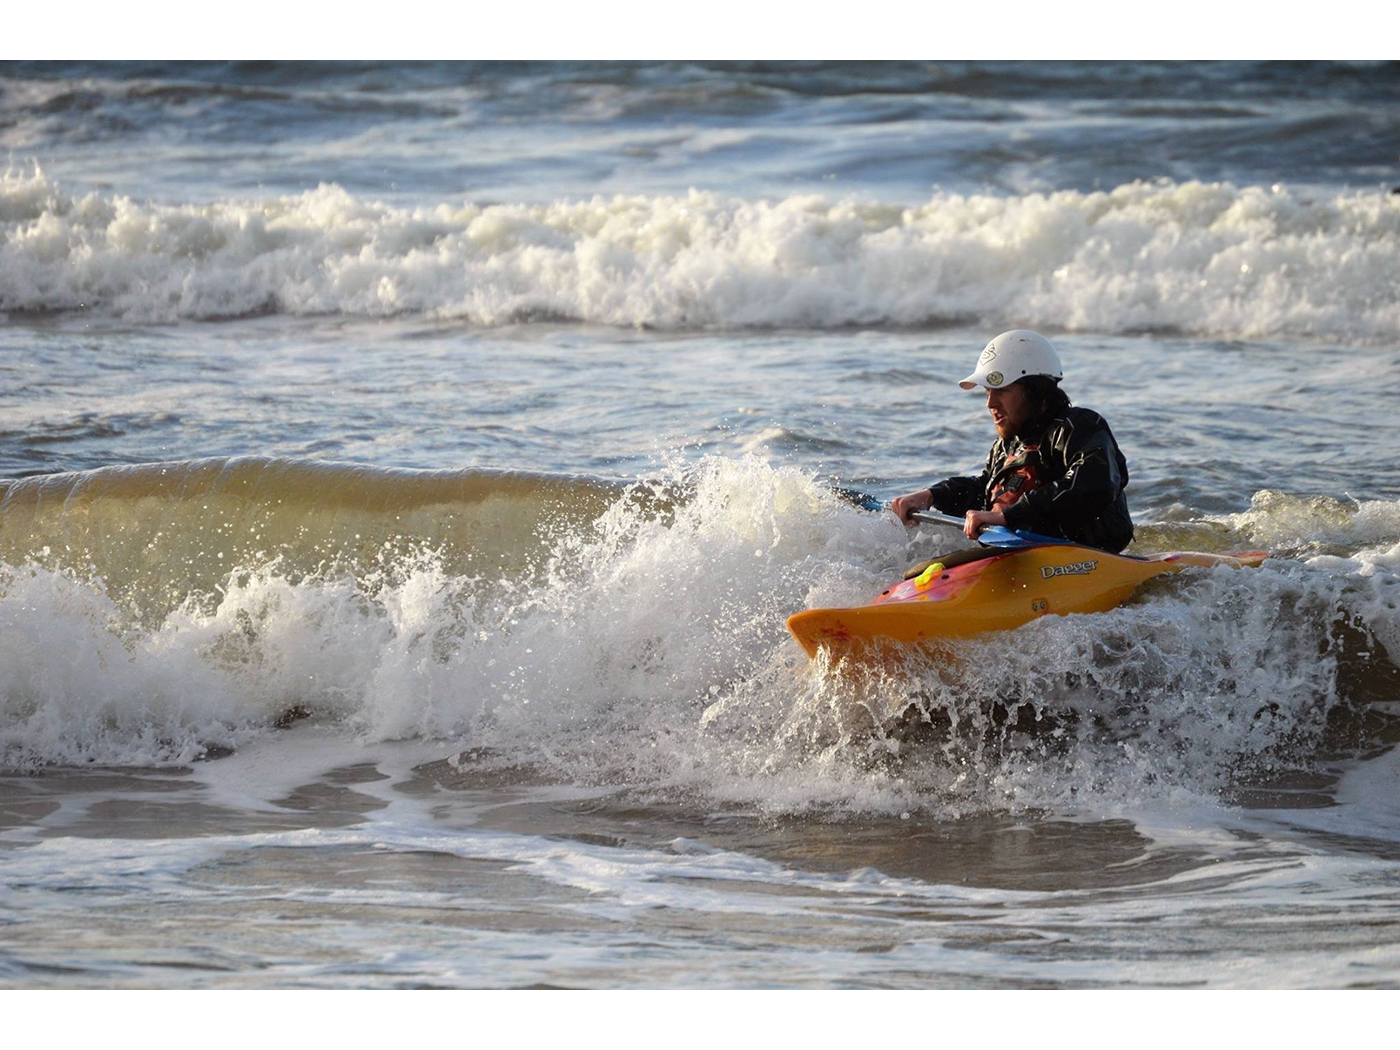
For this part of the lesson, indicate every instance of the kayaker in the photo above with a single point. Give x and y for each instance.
(1054, 469)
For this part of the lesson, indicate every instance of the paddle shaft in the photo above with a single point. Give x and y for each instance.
(932, 518)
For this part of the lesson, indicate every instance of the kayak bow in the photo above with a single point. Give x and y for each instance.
(996, 590)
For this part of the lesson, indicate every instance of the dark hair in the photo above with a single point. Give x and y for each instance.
(1045, 393)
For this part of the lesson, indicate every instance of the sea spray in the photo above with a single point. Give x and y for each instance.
(648, 650)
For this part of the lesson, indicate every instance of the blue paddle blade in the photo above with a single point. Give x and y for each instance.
(863, 500)
(871, 503)
(998, 536)
(993, 535)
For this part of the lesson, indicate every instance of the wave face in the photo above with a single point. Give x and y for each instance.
(157, 533)
(636, 636)
(1210, 258)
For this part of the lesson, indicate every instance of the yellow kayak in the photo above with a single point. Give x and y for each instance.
(995, 591)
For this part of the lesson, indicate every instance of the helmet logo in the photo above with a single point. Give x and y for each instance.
(994, 378)
(987, 355)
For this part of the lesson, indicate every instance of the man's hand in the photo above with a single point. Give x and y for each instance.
(905, 505)
(977, 520)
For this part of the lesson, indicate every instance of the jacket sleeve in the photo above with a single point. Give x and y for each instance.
(1085, 490)
(957, 496)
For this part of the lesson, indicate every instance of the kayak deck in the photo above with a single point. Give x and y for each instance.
(996, 593)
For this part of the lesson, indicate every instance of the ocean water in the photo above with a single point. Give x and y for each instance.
(406, 472)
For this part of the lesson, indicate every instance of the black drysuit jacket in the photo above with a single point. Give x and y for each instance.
(1081, 497)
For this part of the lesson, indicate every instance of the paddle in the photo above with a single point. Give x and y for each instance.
(993, 535)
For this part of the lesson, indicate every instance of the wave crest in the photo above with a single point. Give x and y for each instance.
(1209, 258)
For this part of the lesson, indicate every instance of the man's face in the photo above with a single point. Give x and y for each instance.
(1010, 408)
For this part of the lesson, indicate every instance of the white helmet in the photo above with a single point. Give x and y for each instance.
(1012, 356)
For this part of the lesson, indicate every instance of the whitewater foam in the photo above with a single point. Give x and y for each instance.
(1315, 524)
(1209, 258)
(1354, 543)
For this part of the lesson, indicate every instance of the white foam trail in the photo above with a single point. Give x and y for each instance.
(1210, 258)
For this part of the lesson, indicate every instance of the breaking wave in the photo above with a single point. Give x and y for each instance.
(1208, 258)
(634, 635)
